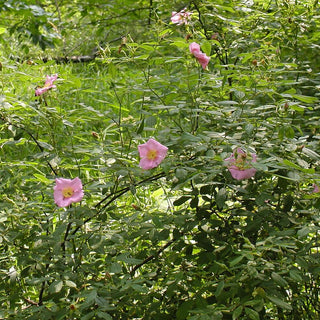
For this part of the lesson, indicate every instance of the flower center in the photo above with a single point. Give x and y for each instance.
(67, 192)
(152, 154)
(242, 161)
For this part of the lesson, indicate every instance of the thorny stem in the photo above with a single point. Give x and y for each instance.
(113, 196)
(151, 257)
(63, 244)
(150, 12)
(200, 20)
(36, 142)
(119, 117)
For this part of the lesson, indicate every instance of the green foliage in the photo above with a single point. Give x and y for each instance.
(184, 240)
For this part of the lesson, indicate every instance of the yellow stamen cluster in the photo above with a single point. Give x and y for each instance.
(67, 192)
(152, 154)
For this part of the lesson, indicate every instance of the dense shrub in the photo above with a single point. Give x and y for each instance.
(184, 239)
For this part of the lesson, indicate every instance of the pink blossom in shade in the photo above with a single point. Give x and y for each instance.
(48, 85)
(240, 164)
(151, 153)
(202, 58)
(181, 17)
(194, 48)
(315, 188)
(67, 191)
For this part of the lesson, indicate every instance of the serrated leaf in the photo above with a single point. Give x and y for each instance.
(181, 200)
(295, 275)
(279, 280)
(252, 314)
(115, 268)
(310, 153)
(139, 288)
(141, 127)
(206, 47)
(45, 145)
(104, 315)
(236, 313)
(221, 198)
(305, 99)
(236, 261)
(70, 284)
(128, 260)
(304, 231)
(219, 288)
(280, 303)
(56, 286)
(183, 310)
(42, 178)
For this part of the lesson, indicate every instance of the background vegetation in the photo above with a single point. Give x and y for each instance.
(184, 240)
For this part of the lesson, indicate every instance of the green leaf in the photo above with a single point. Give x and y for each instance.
(42, 178)
(236, 261)
(305, 99)
(279, 280)
(206, 47)
(56, 286)
(310, 153)
(219, 288)
(181, 174)
(295, 275)
(181, 200)
(280, 303)
(237, 312)
(141, 126)
(115, 267)
(104, 315)
(139, 288)
(70, 284)
(221, 197)
(183, 309)
(128, 260)
(303, 232)
(252, 314)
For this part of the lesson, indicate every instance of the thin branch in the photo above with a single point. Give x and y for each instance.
(114, 196)
(40, 302)
(200, 20)
(63, 243)
(31, 302)
(115, 17)
(151, 257)
(150, 12)
(35, 141)
(152, 178)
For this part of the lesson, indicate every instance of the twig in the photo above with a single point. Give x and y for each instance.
(31, 302)
(151, 257)
(114, 196)
(200, 20)
(155, 177)
(115, 17)
(35, 141)
(63, 243)
(150, 12)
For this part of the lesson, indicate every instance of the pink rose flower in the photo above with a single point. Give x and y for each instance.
(67, 191)
(48, 85)
(240, 164)
(151, 153)
(315, 188)
(202, 58)
(194, 48)
(181, 17)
